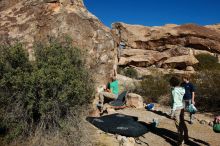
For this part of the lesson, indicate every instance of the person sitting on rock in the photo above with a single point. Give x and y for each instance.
(177, 111)
(111, 93)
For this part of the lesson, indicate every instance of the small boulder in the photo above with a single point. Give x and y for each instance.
(203, 122)
(211, 124)
(104, 59)
(190, 68)
(111, 111)
(134, 100)
(125, 141)
(94, 113)
(119, 137)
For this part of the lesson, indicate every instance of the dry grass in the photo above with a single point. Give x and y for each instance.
(77, 132)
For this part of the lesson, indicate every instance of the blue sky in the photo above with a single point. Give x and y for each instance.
(155, 12)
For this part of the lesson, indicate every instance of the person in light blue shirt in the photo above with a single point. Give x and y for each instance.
(177, 109)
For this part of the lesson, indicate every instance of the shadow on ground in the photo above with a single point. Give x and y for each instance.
(166, 115)
(170, 136)
(161, 113)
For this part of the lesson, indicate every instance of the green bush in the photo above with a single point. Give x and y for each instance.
(43, 93)
(207, 62)
(130, 72)
(207, 81)
(154, 87)
(207, 90)
(207, 94)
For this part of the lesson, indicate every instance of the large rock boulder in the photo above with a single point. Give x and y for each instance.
(141, 57)
(150, 38)
(181, 62)
(153, 71)
(166, 47)
(40, 20)
(134, 100)
(126, 83)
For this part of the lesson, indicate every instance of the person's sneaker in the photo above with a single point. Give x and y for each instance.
(191, 122)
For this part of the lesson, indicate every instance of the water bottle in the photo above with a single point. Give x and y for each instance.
(155, 122)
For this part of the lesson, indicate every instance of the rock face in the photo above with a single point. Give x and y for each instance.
(30, 21)
(126, 83)
(214, 27)
(177, 61)
(166, 47)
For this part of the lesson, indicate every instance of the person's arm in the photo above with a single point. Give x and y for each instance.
(173, 94)
(193, 98)
(111, 88)
(193, 93)
(108, 90)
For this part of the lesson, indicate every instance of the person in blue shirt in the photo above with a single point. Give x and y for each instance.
(189, 96)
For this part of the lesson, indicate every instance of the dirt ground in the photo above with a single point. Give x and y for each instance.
(165, 134)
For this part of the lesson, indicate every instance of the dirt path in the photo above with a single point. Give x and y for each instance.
(165, 134)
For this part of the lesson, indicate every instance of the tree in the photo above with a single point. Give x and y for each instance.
(41, 93)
